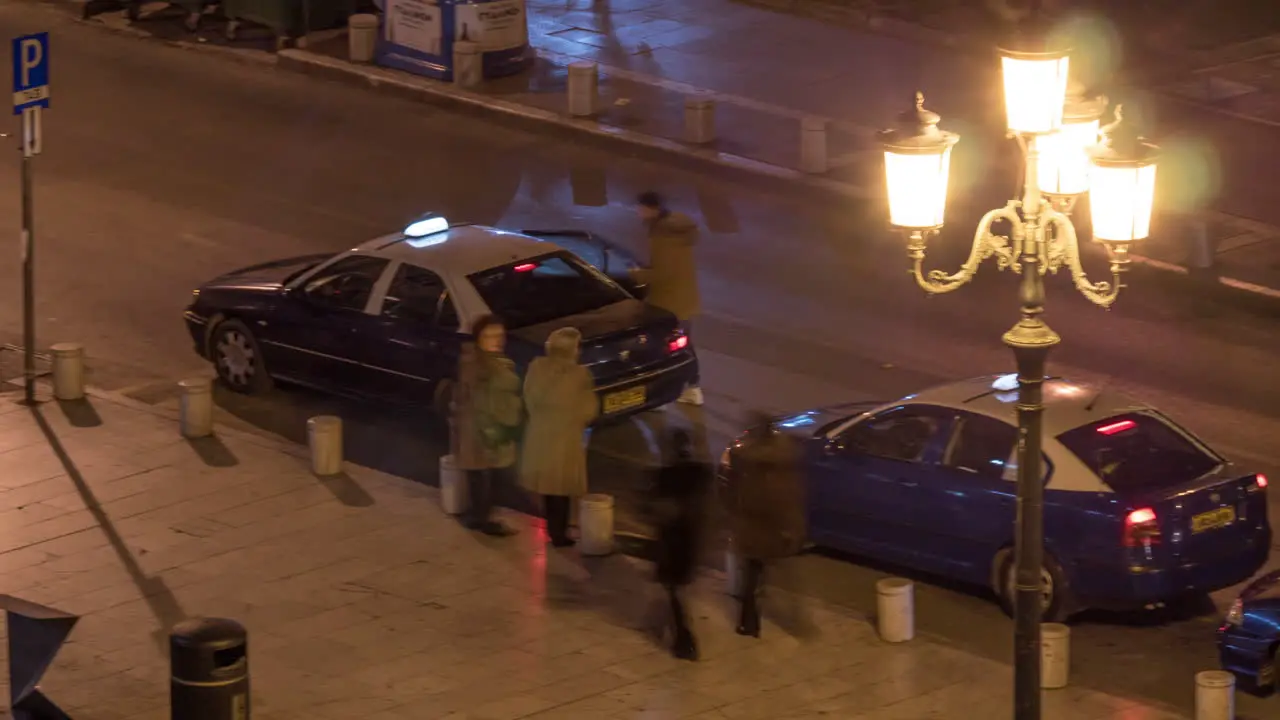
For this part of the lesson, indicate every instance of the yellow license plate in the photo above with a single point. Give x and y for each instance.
(1213, 519)
(625, 400)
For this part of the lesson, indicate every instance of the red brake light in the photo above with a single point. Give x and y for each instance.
(1261, 480)
(677, 343)
(1117, 427)
(526, 267)
(1140, 528)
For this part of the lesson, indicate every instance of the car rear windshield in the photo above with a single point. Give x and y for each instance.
(1138, 451)
(531, 292)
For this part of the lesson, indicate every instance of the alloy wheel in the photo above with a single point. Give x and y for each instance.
(236, 358)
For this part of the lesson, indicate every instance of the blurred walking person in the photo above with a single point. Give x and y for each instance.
(678, 507)
(764, 498)
(672, 275)
(560, 397)
(487, 414)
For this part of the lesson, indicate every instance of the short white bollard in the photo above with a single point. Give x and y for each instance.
(195, 407)
(324, 436)
(68, 371)
(1200, 254)
(468, 63)
(595, 524)
(699, 120)
(362, 37)
(895, 609)
(1055, 655)
(1215, 695)
(584, 89)
(453, 487)
(813, 145)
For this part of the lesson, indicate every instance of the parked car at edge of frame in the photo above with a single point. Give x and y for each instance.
(1249, 638)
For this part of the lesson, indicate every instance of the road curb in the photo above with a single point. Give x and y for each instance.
(638, 144)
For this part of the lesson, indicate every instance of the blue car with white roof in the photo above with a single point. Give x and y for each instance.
(386, 320)
(1137, 509)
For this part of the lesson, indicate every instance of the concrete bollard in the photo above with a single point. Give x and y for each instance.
(699, 120)
(1055, 655)
(813, 145)
(68, 371)
(584, 89)
(195, 407)
(595, 524)
(1215, 695)
(453, 487)
(895, 609)
(324, 436)
(468, 64)
(733, 572)
(362, 37)
(1201, 251)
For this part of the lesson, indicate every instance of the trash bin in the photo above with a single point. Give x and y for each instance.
(209, 670)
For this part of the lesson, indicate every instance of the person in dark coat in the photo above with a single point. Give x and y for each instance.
(764, 499)
(487, 413)
(678, 507)
(672, 275)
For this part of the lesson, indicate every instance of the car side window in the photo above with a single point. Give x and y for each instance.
(898, 434)
(415, 294)
(347, 283)
(981, 445)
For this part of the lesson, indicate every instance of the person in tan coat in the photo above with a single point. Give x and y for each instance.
(764, 499)
(672, 275)
(486, 420)
(561, 401)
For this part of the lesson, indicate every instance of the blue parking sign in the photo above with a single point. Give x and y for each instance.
(30, 72)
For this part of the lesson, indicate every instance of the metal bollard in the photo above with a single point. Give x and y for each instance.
(1215, 695)
(468, 65)
(699, 120)
(895, 609)
(324, 436)
(195, 407)
(68, 371)
(1055, 655)
(453, 487)
(209, 670)
(595, 524)
(362, 37)
(584, 89)
(813, 145)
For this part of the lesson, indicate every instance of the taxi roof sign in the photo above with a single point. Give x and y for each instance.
(427, 225)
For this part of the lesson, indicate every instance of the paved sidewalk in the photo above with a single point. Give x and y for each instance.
(363, 600)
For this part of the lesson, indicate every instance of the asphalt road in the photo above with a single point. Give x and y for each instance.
(165, 167)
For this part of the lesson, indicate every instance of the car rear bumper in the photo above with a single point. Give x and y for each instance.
(1247, 656)
(198, 327)
(660, 386)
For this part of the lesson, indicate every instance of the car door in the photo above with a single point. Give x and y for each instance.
(412, 342)
(865, 478)
(966, 505)
(311, 337)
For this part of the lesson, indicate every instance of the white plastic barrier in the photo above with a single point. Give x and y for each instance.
(595, 524)
(813, 145)
(895, 609)
(1055, 655)
(468, 64)
(699, 120)
(453, 487)
(68, 371)
(324, 436)
(1215, 695)
(195, 407)
(584, 89)
(362, 37)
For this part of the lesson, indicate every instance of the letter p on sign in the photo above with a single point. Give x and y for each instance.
(30, 72)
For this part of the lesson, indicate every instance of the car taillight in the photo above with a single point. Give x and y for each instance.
(1235, 616)
(1141, 528)
(1261, 480)
(678, 342)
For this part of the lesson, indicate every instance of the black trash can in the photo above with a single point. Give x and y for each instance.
(209, 669)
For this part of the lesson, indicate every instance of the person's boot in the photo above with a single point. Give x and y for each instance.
(685, 647)
(692, 395)
(749, 620)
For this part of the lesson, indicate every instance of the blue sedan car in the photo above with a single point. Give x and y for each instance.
(1137, 509)
(385, 320)
(1249, 639)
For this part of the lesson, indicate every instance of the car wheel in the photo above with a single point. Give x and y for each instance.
(238, 359)
(1055, 598)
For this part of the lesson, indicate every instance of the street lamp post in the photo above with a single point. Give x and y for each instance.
(1064, 158)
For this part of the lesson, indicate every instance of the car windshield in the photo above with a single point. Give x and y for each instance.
(1136, 452)
(541, 289)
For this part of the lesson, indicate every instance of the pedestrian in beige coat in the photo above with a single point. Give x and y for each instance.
(561, 401)
(672, 275)
(486, 421)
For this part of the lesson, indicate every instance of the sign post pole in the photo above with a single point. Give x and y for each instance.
(30, 95)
